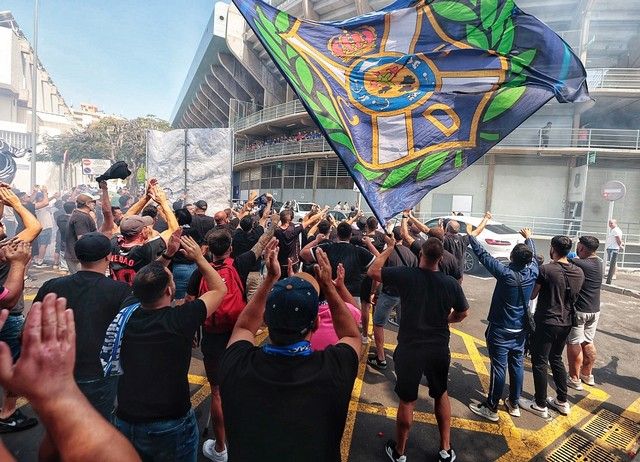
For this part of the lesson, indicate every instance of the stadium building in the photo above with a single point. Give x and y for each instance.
(554, 186)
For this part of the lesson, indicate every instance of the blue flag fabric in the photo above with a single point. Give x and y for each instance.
(411, 95)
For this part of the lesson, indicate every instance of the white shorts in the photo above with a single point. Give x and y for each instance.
(586, 330)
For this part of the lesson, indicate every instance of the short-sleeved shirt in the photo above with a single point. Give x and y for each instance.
(553, 299)
(95, 301)
(612, 242)
(44, 217)
(589, 297)
(155, 356)
(126, 261)
(80, 223)
(427, 298)
(449, 265)
(303, 417)
(288, 240)
(456, 244)
(401, 256)
(5, 267)
(354, 259)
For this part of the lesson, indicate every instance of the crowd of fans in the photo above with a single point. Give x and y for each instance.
(299, 136)
(106, 349)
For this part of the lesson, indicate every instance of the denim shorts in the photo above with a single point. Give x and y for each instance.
(164, 440)
(386, 303)
(11, 334)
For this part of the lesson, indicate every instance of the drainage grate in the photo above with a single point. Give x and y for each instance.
(576, 448)
(619, 432)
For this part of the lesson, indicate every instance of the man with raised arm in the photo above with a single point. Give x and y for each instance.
(284, 401)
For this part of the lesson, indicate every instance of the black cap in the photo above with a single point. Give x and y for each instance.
(292, 307)
(92, 247)
(202, 205)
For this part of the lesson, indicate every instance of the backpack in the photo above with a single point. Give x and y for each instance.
(225, 317)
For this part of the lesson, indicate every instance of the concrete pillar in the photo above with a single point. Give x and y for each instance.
(490, 175)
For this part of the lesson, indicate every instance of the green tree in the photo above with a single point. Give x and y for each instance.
(109, 138)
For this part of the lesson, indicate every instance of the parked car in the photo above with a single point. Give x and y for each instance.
(300, 209)
(498, 239)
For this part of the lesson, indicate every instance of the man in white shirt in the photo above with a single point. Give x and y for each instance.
(614, 242)
(43, 213)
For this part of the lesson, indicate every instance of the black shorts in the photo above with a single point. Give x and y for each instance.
(213, 346)
(414, 361)
(365, 289)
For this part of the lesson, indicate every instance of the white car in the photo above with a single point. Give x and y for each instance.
(300, 209)
(498, 239)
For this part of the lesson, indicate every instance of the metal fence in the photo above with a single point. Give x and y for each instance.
(270, 113)
(628, 256)
(613, 78)
(282, 149)
(17, 140)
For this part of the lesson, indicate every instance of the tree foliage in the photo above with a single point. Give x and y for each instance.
(109, 138)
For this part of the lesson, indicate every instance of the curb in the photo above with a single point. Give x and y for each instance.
(620, 290)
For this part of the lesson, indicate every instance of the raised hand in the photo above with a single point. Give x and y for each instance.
(9, 197)
(190, 248)
(45, 367)
(322, 269)
(339, 280)
(18, 252)
(526, 233)
(174, 242)
(271, 259)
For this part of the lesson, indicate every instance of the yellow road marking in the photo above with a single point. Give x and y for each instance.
(200, 395)
(29, 298)
(352, 412)
(632, 412)
(197, 379)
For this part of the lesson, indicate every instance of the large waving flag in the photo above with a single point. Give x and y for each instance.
(411, 95)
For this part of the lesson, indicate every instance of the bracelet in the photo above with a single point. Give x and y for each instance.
(164, 255)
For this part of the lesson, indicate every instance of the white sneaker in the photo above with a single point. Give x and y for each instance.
(588, 379)
(365, 339)
(513, 409)
(209, 451)
(484, 411)
(531, 406)
(575, 384)
(562, 408)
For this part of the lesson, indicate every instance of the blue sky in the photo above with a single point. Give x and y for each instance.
(127, 57)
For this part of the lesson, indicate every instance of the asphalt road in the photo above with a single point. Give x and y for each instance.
(604, 424)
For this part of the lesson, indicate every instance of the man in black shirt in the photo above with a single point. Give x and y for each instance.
(558, 285)
(389, 299)
(61, 218)
(95, 300)
(431, 301)
(288, 235)
(202, 222)
(214, 341)
(581, 352)
(154, 411)
(284, 401)
(80, 223)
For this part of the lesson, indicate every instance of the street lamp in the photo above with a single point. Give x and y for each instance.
(34, 95)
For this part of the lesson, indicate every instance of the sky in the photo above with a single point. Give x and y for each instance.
(126, 57)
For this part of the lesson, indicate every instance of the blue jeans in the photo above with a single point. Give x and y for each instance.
(101, 393)
(11, 333)
(385, 304)
(506, 349)
(163, 440)
(181, 274)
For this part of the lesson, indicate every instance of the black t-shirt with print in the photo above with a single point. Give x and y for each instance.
(289, 242)
(589, 297)
(553, 299)
(456, 244)
(427, 298)
(155, 356)
(291, 408)
(95, 300)
(127, 261)
(354, 259)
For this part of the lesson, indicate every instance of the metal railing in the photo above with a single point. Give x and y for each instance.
(521, 137)
(15, 139)
(628, 256)
(270, 113)
(613, 78)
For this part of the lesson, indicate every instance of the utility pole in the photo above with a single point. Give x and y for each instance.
(34, 95)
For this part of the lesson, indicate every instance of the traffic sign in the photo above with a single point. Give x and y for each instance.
(613, 190)
(95, 166)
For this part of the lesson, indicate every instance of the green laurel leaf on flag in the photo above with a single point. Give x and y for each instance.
(504, 99)
(282, 21)
(399, 174)
(291, 53)
(454, 11)
(304, 74)
(506, 41)
(459, 160)
(328, 106)
(343, 139)
(431, 165)
(327, 123)
(488, 12)
(370, 175)
(496, 33)
(273, 45)
(477, 38)
(488, 136)
(524, 59)
(267, 26)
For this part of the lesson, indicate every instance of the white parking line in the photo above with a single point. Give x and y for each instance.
(478, 277)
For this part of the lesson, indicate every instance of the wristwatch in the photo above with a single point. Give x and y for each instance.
(164, 255)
